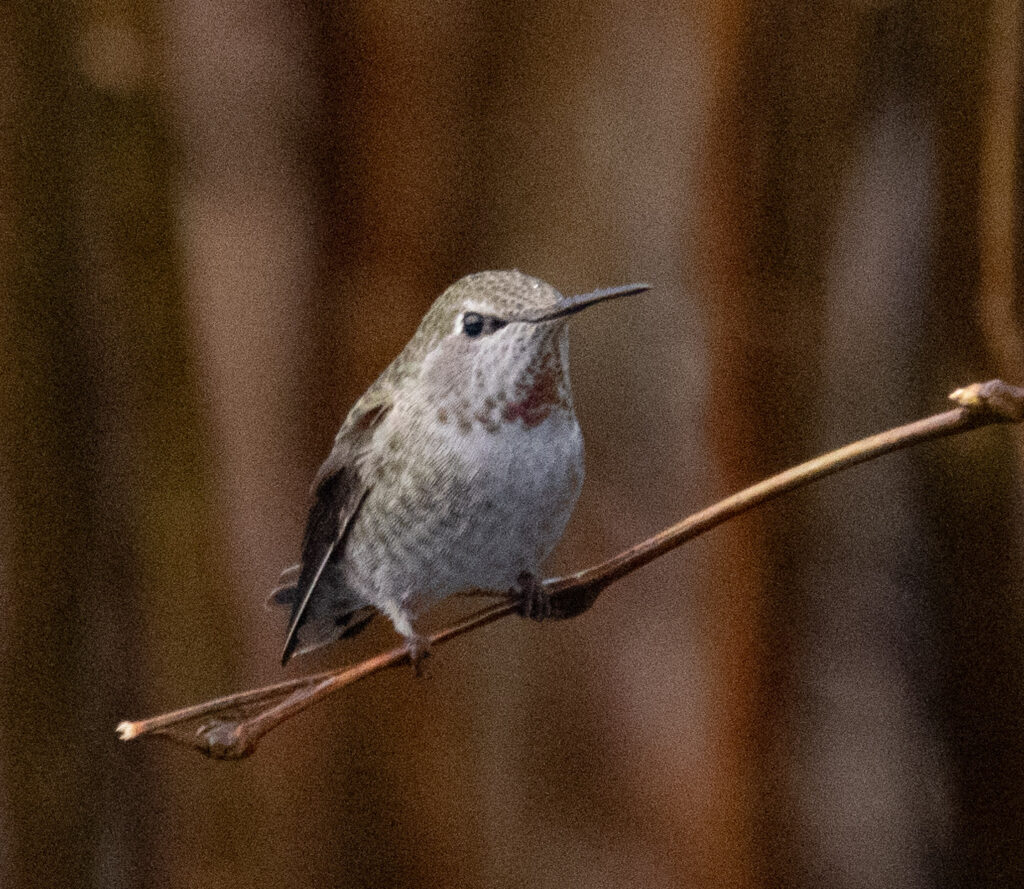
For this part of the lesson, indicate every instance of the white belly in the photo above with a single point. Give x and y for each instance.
(528, 481)
(479, 510)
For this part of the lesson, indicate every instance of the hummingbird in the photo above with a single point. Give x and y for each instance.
(456, 470)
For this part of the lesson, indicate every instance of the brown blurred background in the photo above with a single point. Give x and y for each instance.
(219, 221)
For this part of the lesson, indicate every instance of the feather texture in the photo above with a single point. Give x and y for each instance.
(318, 596)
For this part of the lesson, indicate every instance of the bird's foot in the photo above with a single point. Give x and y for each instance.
(534, 600)
(419, 650)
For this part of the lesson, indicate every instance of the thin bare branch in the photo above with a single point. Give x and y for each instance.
(230, 727)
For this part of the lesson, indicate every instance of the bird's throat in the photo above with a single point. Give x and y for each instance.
(533, 404)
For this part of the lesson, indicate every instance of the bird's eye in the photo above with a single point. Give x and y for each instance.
(473, 324)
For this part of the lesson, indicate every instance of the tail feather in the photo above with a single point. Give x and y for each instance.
(290, 574)
(319, 589)
(320, 626)
(282, 597)
(316, 631)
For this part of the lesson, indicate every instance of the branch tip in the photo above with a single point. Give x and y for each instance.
(127, 731)
(995, 400)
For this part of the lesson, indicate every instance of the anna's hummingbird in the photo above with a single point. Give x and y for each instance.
(457, 469)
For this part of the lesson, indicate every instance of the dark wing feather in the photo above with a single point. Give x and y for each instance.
(340, 491)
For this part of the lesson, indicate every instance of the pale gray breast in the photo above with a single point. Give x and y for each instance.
(452, 508)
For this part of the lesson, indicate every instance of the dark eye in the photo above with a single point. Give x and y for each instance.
(472, 324)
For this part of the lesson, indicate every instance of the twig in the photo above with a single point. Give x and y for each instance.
(230, 727)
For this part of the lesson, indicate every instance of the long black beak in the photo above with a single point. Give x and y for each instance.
(570, 305)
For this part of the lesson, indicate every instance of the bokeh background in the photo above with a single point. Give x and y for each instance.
(218, 223)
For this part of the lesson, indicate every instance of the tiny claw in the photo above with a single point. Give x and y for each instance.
(534, 599)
